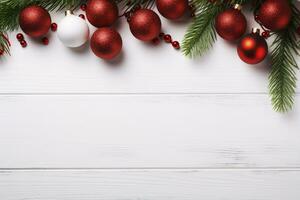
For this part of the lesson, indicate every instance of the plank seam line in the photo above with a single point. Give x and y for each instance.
(129, 93)
(156, 169)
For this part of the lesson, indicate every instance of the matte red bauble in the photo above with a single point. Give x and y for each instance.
(106, 43)
(102, 13)
(275, 14)
(35, 21)
(145, 24)
(231, 24)
(252, 48)
(172, 9)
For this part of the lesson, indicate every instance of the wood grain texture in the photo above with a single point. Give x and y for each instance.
(146, 131)
(143, 185)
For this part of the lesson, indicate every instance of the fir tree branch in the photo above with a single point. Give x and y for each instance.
(4, 43)
(282, 79)
(131, 4)
(201, 34)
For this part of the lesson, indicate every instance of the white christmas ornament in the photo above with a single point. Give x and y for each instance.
(73, 31)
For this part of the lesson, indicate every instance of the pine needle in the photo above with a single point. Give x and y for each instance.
(201, 34)
(282, 79)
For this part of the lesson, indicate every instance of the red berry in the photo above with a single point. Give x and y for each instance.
(161, 35)
(23, 43)
(155, 41)
(53, 27)
(167, 38)
(82, 16)
(20, 36)
(83, 7)
(176, 45)
(45, 41)
(266, 34)
(298, 30)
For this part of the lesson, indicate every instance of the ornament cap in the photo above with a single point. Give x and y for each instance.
(237, 7)
(68, 12)
(256, 30)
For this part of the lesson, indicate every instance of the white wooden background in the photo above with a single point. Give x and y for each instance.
(152, 125)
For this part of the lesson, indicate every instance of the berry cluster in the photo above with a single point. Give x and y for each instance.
(45, 40)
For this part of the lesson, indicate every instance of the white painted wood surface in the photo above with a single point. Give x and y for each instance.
(159, 131)
(151, 125)
(145, 184)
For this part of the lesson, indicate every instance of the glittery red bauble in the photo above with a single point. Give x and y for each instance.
(172, 9)
(231, 24)
(275, 14)
(106, 43)
(101, 13)
(145, 24)
(252, 48)
(35, 21)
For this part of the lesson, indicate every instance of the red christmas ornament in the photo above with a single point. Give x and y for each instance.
(252, 48)
(106, 43)
(101, 13)
(275, 14)
(172, 9)
(35, 21)
(145, 24)
(231, 24)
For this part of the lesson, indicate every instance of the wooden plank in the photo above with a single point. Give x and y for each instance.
(150, 185)
(156, 131)
(142, 68)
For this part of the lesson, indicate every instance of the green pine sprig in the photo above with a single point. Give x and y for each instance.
(201, 34)
(128, 5)
(282, 79)
(4, 43)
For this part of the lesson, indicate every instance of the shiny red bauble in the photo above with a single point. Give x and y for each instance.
(35, 21)
(172, 9)
(101, 13)
(231, 24)
(252, 48)
(275, 14)
(145, 24)
(106, 43)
